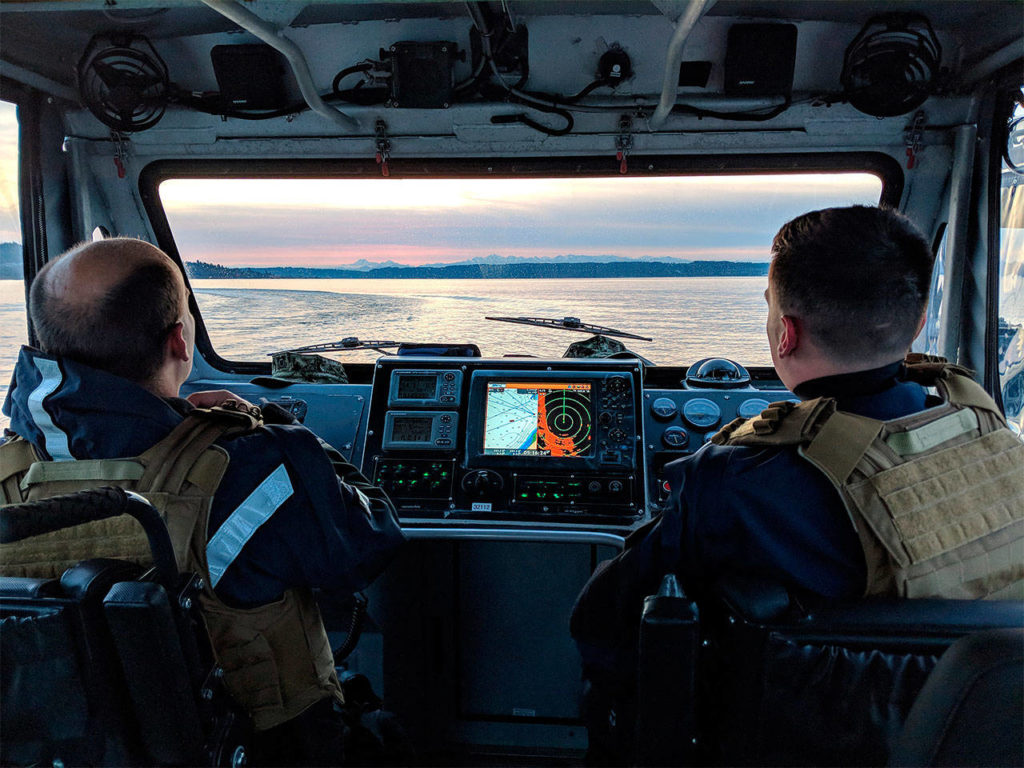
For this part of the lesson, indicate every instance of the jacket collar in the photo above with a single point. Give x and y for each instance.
(68, 410)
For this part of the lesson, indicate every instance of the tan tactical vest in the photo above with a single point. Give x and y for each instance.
(937, 497)
(276, 658)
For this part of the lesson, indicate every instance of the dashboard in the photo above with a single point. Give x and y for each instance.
(526, 440)
(522, 440)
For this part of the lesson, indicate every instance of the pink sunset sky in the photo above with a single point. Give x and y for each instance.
(325, 223)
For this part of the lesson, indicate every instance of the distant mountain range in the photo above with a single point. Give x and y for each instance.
(11, 267)
(496, 267)
(492, 266)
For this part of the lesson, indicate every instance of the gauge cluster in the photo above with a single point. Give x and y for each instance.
(679, 422)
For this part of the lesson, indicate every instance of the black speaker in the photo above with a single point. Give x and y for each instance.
(759, 59)
(250, 76)
(422, 75)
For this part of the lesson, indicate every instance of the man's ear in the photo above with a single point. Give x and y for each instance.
(789, 338)
(921, 322)
(176, 345)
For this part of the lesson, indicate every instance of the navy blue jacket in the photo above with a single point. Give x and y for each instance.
(325, 534)
(759, 512)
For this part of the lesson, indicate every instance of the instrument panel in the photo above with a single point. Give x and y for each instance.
(558, 440)
(680, 421)
(561, 441)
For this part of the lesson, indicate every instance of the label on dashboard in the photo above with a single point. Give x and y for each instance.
(481, 506)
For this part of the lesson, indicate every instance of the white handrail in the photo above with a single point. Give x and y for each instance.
(670, 85)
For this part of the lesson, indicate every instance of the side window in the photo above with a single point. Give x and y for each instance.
(929, 339)
(1011, 275)
(13, 323)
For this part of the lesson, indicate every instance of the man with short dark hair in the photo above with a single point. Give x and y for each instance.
(787, 497)
(253, 501)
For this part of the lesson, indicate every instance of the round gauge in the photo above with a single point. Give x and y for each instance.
(675, 437)
(701, 413)
(709, 435)
(750, 408)
(664, 408)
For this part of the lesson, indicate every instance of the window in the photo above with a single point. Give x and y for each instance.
(1011, 277)
(13, 323)
(280, 263)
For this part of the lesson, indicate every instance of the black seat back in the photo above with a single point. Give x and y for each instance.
(782, 683)
(109, 666)
(61, 688)
(971, 709)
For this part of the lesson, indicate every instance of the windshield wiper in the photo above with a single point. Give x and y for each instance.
(344, 345)
(569, 324)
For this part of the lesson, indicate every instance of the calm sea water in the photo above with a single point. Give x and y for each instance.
(688, 317)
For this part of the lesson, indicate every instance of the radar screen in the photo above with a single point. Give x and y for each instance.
(538, 419)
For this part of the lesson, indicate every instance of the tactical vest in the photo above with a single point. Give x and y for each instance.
(936, 497)
(276, 658)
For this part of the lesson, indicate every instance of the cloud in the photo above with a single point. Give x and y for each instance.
(435, 221)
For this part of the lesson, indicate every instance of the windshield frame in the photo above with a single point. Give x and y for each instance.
(885, 167)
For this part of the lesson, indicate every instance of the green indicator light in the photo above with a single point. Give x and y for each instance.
(556, 495)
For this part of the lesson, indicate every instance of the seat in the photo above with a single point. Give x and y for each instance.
(971, 709)
(782, 681)
(109, 665)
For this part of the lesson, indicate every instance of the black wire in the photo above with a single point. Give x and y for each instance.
(364, 67)
(200, 104)
(752, 116)
(519, 117)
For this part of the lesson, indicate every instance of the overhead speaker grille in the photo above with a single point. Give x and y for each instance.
(123, 81)
(891, 66)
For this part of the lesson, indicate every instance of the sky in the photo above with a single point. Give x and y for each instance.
(250, 222)
(10, 228)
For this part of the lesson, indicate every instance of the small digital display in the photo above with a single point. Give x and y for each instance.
(417, 387)
(411, 429)
(544, 419)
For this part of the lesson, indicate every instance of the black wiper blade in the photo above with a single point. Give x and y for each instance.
(569, 324)
(344, 345)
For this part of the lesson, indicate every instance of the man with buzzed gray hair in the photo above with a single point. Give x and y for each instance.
(252, 499)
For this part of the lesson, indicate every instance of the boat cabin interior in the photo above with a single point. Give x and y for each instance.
(405, 222)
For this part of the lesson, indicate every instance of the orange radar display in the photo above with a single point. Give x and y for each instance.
(538, 419)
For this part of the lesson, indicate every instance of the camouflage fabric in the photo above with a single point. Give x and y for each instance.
(595, 346)
(602, 346)
(293, 366)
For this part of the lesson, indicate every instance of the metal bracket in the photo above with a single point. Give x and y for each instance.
(383, 144)
(912, 136)
(120, 141)
(624, 142)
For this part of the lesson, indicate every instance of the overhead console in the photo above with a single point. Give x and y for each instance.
(468, 438)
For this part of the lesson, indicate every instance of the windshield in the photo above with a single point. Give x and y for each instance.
(282, 263)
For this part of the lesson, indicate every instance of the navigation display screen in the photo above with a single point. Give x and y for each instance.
(417, 387)
(538, 419)
(411, 429)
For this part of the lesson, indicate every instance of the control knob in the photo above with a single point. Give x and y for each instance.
(482, 482)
